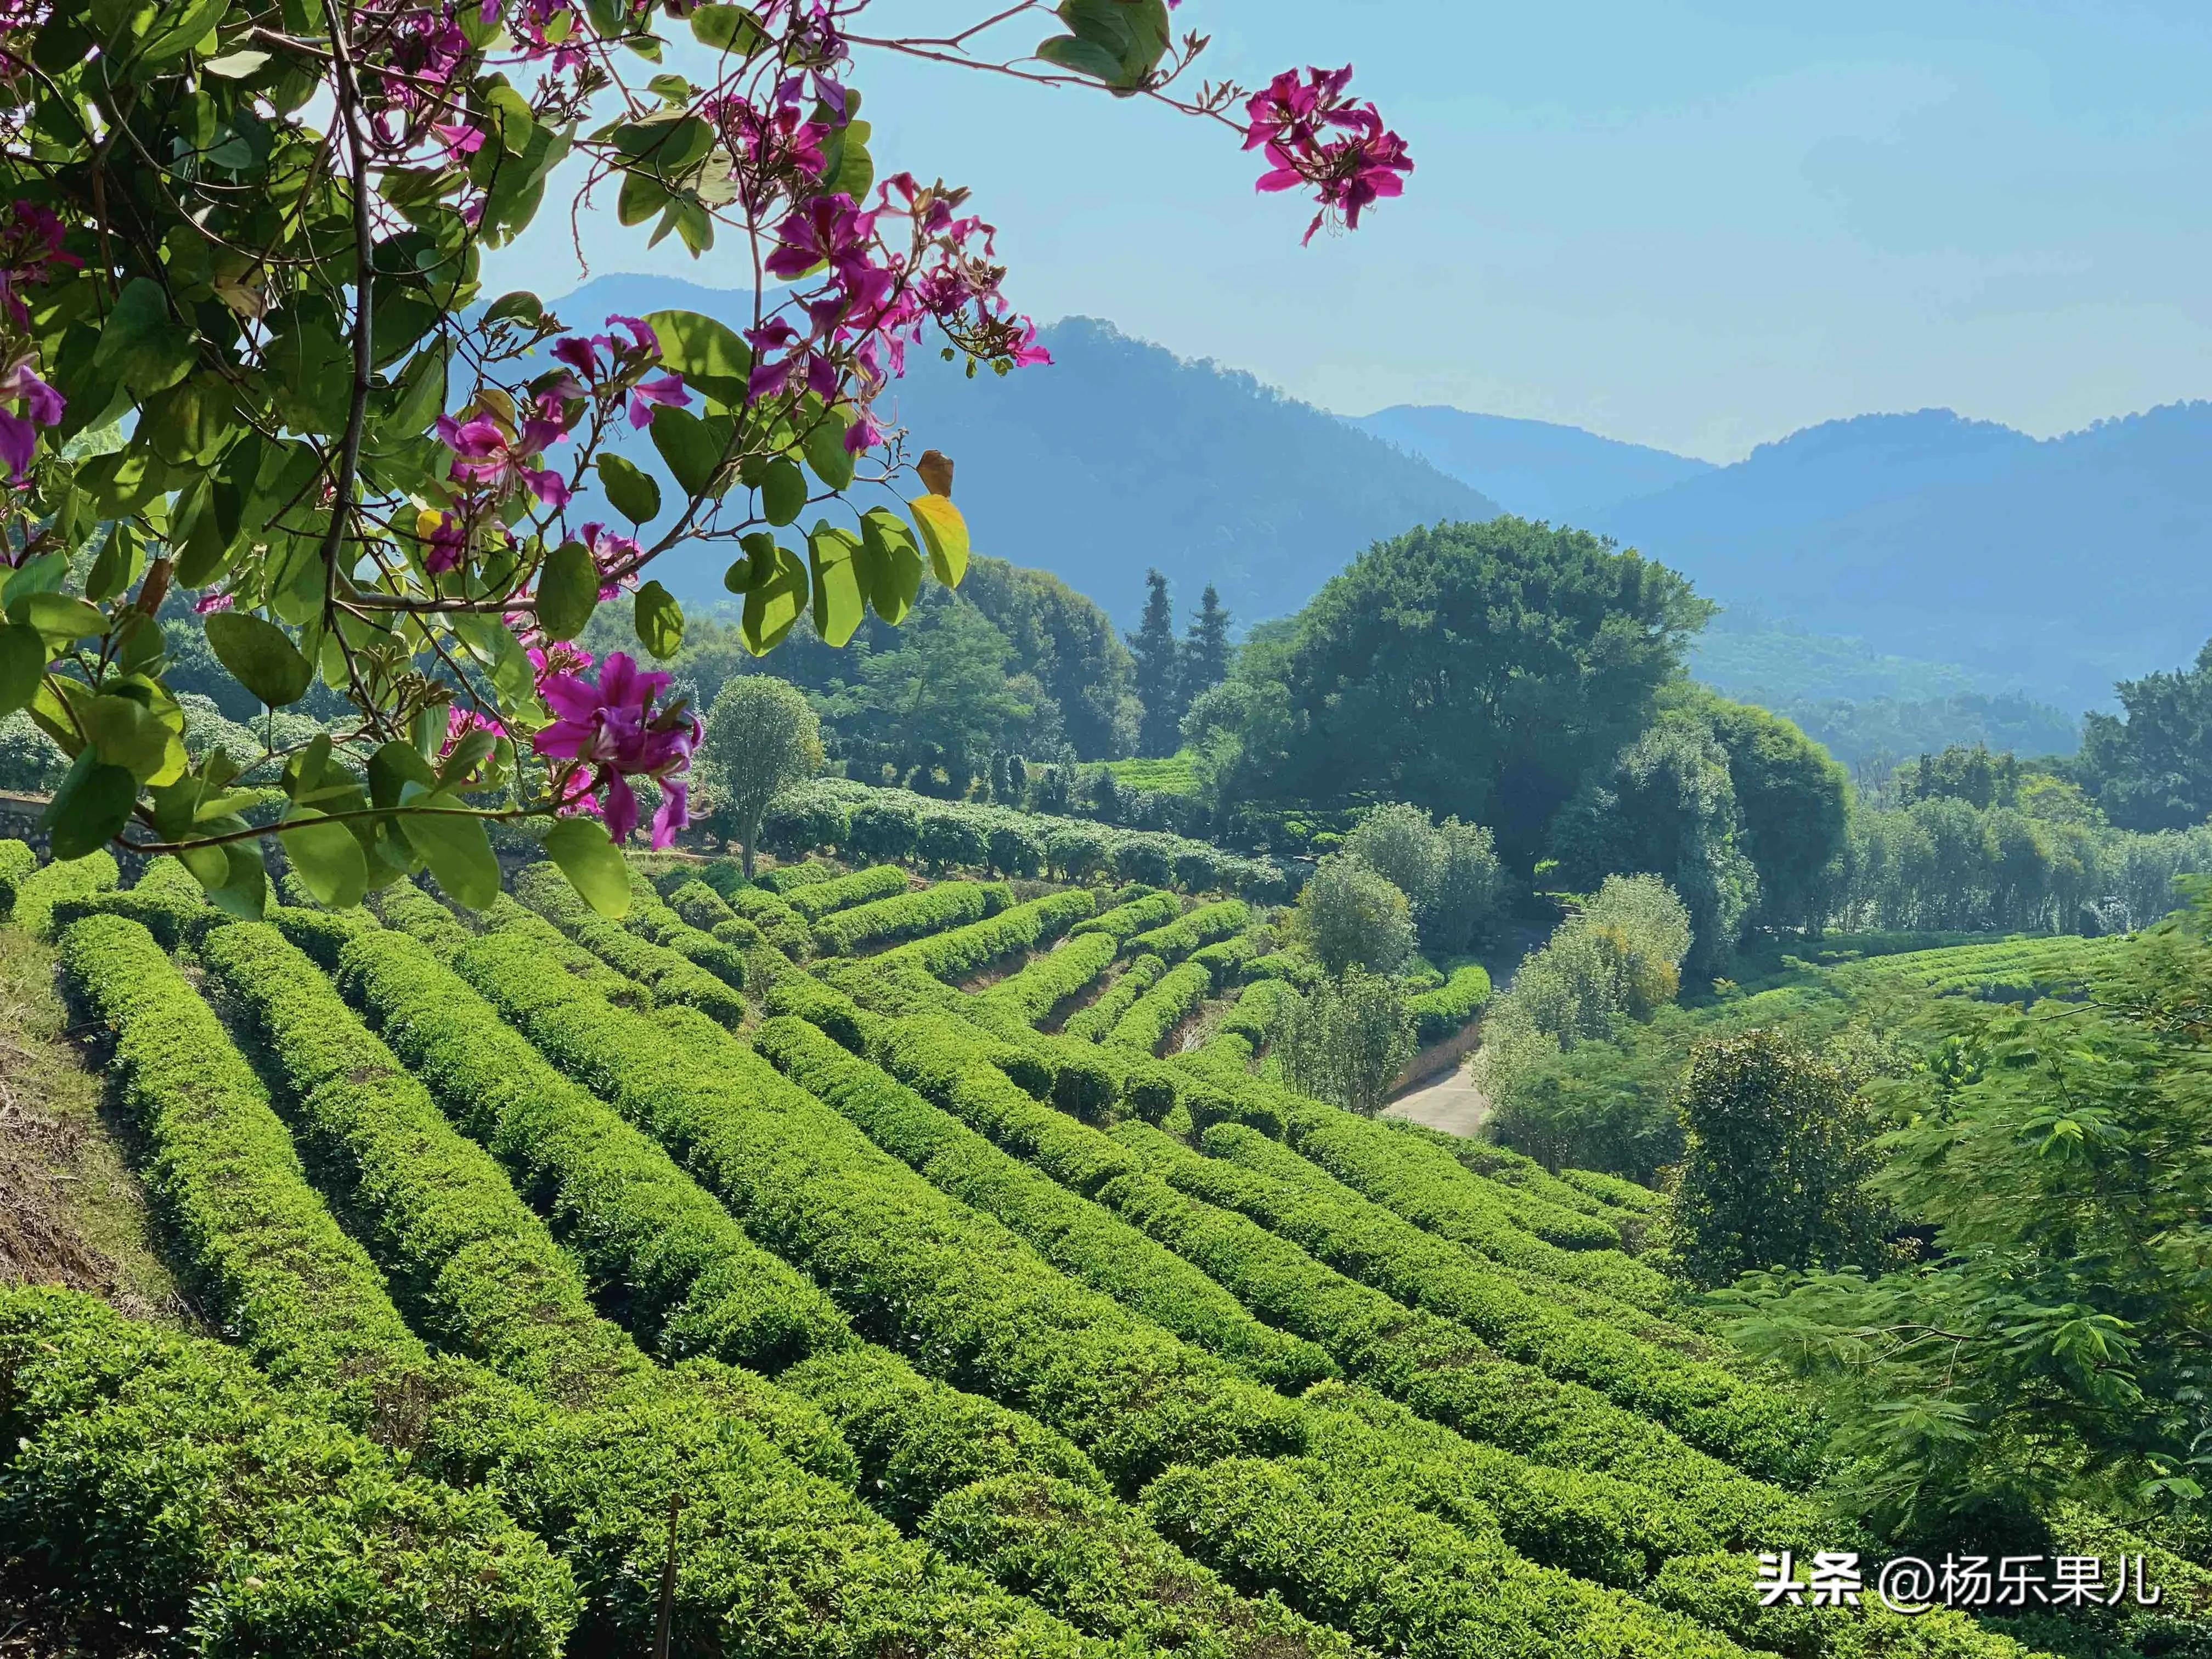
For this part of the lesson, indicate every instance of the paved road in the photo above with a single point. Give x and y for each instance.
(1449, 1101)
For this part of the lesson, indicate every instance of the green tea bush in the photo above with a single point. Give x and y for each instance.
(17, 860)
(959, 951)
(149, 1482)
(908, 915)
(1203, 925)
(1439, 1013)
(670, 976)
(1154, 1015)
(1133, 916)
(39, 893)
(814, 900)
(909, 1266)
(261, 1247)
(650, 917)
(1102, 1013)
(670, 1259)
(1030, 996)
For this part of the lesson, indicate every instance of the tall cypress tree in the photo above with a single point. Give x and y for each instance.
(1205, 651)
(1153, 645)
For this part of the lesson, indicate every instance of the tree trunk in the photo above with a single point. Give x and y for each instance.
(751, 835)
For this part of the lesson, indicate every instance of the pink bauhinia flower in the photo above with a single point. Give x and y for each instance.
(19, 431)
(668, 391)
(486, 453)
(1313, 134)
(613, 730)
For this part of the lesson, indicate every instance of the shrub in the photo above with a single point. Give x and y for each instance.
(1225, 959)
(1096, 1018)
(1301, 971)
(1256, 1009)
(952, 838)
(505, 915)
(1198, 870)
(797, 822)
(17, 860)
(961, 951)
(649, 918)
(261, 1247)
(150, 1482)
(1141, 858)
(1398, 1580)
(1030, 995)
(1133, 916)
(1344, 1042)
(686, 1272)
(1203, 925)
(408, 909)
(39, 893)
(885, 829)
(1348, 914)
(1016, 849)
(908, 915)
(669, 976)
(948, 1145)
(1153, 1016)
(813, 900)
(962, 1294)
(1439, 1013)
(790, 878)
(1076, 852)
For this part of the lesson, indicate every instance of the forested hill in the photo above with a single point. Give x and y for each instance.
(1121, 455)
(1535, 469)
(2061, 566)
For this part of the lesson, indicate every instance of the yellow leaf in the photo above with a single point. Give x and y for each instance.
(944, 532)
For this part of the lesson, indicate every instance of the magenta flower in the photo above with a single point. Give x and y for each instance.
(613, 729)
(610, 553)
(484, 453)
(1295, 122)
(41, 406)
(446, 542)
(460, 139)
(208, 603)
(666, 392)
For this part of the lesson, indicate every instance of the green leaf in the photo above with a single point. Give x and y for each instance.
(394, 767)
(22, 663)
(1081, 57)
(839, 599)
(63, 618)
(592, 864)
(728, 29)
(890, 564)
(776, 600)
(327, 856)
(521, 305)
(631, 489)
(709, 355)
(641, 195)
(660, 621)
(692, 447)
(179, 26)
(192, 423)
(825, 451)
(260, 657)
(141, 341)
(944, 533)
(457, 849)
(310, 371)
(783, 491)
(131, 736)
(234, 65)
(91, 808)
(121, 557)
(568, 590)
(243, 888)
(421, 391)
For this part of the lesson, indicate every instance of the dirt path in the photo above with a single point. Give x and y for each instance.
(1448, 1101)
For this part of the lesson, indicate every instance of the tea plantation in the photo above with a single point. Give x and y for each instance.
(839, 1265)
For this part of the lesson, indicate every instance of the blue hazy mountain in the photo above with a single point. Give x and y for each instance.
(2049, 566)
(1534, 468)
(1118, 456)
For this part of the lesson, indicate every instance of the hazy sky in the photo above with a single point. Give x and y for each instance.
(1695, 225)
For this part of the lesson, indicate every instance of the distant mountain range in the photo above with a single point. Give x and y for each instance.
(1919, 555)
(1121, 455)
(1534, 468)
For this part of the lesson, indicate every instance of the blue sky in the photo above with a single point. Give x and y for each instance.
(1700, 226)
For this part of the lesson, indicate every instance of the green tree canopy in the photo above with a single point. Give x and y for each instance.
(1158, 670)
(1775, 1160)
(761, 738)
(1345, 1041)
(1349, 914)
(2151, 767)
(1473, 669)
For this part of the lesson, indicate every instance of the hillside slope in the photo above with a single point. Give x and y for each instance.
(1536, 469)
